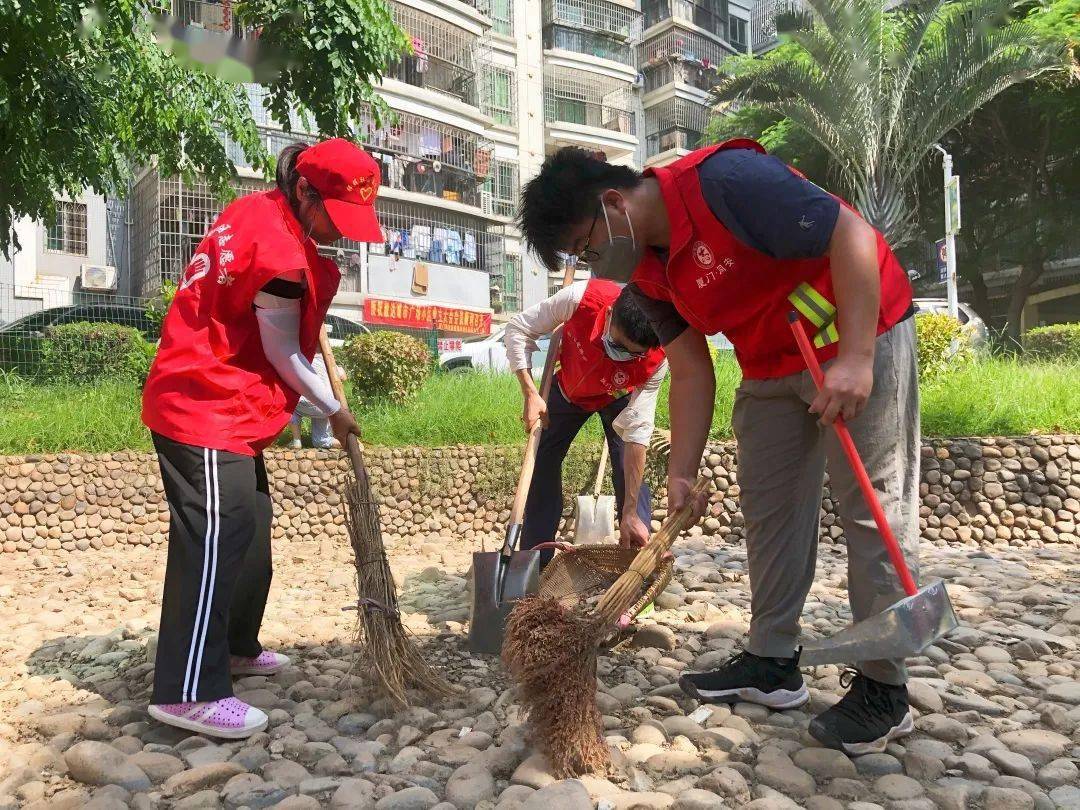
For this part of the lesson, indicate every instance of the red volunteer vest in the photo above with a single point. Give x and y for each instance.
(211, 384)
(587, 376)
(718, 284)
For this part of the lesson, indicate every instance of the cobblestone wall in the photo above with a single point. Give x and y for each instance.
(1017, 491)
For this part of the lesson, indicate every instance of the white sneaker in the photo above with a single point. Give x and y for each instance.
(265, 663)
(296, 444)
(229, 718)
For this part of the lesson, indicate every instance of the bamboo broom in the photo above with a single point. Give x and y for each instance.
(386, 648)
(550, 653)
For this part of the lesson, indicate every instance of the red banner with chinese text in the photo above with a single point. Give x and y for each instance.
(387, 312)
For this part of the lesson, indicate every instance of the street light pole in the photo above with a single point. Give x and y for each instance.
(950, 235)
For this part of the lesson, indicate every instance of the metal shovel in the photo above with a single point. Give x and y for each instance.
(500, 578)
(905, 628)
(595, 521)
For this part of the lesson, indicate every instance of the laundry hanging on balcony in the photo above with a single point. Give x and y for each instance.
(420, 51)
(419, 279)
(482, 162)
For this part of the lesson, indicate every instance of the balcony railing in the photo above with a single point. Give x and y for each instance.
(763, 20)
(590, 100)
(676, 123)
(213, 15)
(415, 154)
(708, 14)
(609, 19)
(443, 58)
(589, 43)
(671, 138)
(679, 54)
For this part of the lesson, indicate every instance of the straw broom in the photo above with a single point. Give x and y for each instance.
(385, 646)
(550, 653)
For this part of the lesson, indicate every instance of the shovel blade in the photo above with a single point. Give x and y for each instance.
(902, 630)
(497, 583)
(595, 519)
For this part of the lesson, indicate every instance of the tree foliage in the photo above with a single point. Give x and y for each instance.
(875, 89)
(86, 93)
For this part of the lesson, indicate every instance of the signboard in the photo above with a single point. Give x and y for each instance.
(952, 205)
(941, 251)
(450, 344)
(387, 312)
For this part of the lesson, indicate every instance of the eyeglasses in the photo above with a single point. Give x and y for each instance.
(587, 254)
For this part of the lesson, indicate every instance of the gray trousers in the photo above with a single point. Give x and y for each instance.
(782, 456)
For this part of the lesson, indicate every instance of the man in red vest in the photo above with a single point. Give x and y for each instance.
(728, 239)
(610, 363)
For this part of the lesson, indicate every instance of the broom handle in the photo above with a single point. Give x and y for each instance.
(602, 467)
(857, 467)
(528, 462)
(352, 445)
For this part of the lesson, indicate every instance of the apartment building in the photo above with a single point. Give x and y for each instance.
(490, 88)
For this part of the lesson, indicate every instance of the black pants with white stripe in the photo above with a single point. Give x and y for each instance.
(218, 572)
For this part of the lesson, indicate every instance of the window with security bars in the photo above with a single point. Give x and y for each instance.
(708, 14)
(592, 100)
(503, 185)
(213, 15)
(594, 27)
(506, 285)
(501, 14)
(67, 231)
(498, 95)
(443, 56)
(417, 232)
(676, 123)
(680, 45)
(170, 218)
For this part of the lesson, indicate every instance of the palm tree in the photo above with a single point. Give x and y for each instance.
(878, 88)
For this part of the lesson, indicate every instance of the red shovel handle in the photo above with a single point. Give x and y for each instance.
(842, 433)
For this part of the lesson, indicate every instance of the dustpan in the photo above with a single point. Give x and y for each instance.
(578, 572)
(905, 628)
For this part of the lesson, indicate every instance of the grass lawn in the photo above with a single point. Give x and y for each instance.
(985, 397)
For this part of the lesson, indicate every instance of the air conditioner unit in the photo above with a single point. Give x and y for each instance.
(486, 203)
(98, 277)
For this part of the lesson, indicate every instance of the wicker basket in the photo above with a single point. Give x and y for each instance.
(580, 570)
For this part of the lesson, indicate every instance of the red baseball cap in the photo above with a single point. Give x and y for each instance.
(347, 178)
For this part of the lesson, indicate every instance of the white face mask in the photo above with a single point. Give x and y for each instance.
(617, 259)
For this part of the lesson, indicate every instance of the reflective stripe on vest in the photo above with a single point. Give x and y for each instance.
(817, 309)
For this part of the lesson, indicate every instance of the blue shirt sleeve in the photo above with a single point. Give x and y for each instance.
(766, 206)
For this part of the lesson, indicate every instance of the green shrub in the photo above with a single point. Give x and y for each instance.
(1060, 341)
(385, 366)
(157, 307)
(943, 342)
(86, 352)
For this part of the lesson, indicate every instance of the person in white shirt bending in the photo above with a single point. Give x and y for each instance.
(321, 434)
(610, 363)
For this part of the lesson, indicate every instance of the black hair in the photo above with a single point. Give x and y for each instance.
(565, 193)
(287, 176)
(628, 316)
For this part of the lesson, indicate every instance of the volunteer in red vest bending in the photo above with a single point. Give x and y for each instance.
(609, 363)
(728, 239)
(235, 355)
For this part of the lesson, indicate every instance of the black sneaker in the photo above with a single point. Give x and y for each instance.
(866, 718)
(773, 682)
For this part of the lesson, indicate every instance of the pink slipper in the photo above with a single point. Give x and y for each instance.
(265, 663)
(228, 717)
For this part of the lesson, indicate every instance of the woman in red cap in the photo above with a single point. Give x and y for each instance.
(235, 356)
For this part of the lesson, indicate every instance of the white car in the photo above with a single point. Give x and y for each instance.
(487, 353)
(966, 315)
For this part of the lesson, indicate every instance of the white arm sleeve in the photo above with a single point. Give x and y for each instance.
(525, 328)
(635, 423)
(279, 329)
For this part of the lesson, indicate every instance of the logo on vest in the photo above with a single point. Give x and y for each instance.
(619, 379)
(198, 267)
(703, 255)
